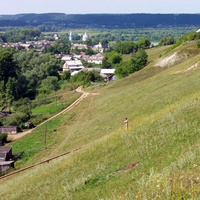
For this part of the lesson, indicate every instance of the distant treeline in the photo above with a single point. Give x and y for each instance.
(61, 20)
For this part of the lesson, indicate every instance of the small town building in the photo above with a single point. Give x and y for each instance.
(66, 58)
(85, 37)
(73, 65)
(26, 46)
(56, 36)
(92, 69)
(79, 46)
(107, 73)
(96, 59)
(4, 114)
(6, 159)
(98, 48)
(9, 129)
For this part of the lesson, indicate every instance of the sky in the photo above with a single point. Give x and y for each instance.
(99, 6)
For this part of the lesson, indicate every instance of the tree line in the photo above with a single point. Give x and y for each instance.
(100, 20)
(20, 35)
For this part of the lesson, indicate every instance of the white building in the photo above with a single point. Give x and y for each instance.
(70, 36)
(66, 58)
(107, 73)
(97, 59)
(72, 65)
(85, 37)
(98, 48)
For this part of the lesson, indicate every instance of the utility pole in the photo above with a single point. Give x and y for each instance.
(55, 97)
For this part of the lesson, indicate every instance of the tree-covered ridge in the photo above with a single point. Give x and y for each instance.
(100, 20)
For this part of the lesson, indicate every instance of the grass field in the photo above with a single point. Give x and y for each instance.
(163, 108)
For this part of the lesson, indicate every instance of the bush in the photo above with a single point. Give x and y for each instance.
(198, 44)
(3, 138)
(38, 119)
(136, 63)
(85, 78)
(66, 75)
(21, 104)
(17, 118)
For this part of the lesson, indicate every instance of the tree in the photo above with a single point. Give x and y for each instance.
(57, 48)
(11, 90)
(144, 42)
(125, 47)
(17, 118)
(114, 58)
(23, 59)
(198, 44)
(50, 83)
(105, 63)
(86, 78)
(88, 42)
(2, 93)
(191, 36)
(3, 138)
(89, 51)
(139, 61)
(66, 75)
(22, 86)
(136, 63)
(104, 43)
(122, 69)
(21, 35)
(110, 59)
(166, 41)
(8, 67)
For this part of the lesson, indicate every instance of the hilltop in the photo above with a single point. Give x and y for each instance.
(156, 158)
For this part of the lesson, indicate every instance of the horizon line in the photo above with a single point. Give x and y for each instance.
(100, 13)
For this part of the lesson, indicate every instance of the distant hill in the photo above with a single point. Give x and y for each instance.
(101, 20)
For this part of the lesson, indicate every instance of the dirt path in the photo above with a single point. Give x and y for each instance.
(79, 89)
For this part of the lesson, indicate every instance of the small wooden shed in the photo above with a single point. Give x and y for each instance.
(6, 159)
(9, 129)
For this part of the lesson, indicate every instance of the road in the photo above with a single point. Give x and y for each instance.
(79, 89)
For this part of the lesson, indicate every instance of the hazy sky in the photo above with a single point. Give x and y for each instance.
(99, 6)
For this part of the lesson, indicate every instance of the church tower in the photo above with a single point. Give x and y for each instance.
(70, 36)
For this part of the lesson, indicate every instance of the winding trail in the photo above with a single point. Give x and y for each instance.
(79, 89)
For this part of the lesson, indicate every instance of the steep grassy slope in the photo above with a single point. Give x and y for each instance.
(163, 107)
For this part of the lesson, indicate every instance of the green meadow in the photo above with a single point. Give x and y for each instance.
(162, 142)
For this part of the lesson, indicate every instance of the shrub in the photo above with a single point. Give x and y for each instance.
(86, 78)
(136, 63)
(66, 75)
(3, 138)
(17, 118)
(198, 44)
(38, 119)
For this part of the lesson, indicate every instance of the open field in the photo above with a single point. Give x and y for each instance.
(162, 142)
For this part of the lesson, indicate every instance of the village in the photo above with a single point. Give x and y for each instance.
(72, 63)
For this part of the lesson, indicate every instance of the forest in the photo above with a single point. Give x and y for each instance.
(60, 21)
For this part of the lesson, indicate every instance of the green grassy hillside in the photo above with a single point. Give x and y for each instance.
(162, 142)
